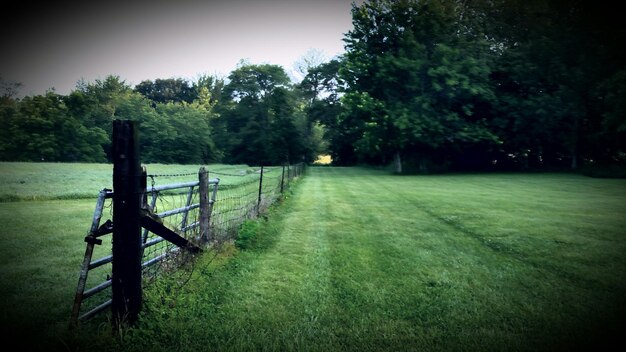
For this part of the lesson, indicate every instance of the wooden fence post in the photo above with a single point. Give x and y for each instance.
(203, 177)
(127, 199)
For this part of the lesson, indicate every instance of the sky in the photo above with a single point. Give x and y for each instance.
(58, 43)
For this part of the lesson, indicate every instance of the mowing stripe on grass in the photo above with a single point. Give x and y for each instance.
(498, 247)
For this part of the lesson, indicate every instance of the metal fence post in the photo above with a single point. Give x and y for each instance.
(127, 199)
(203, 176)
(288, 174)
(258, 208)
(211, 204)
(282, 180)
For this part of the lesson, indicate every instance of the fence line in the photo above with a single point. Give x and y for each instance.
(230, 201)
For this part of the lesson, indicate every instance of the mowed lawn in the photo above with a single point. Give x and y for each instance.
(355, 259)
(361, 260)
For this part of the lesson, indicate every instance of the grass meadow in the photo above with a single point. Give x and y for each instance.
(23, 181)
(352, 260)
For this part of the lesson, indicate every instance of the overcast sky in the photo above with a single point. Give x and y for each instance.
(56, 44)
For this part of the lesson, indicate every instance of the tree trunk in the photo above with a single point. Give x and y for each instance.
(397, 162)
(574, 164)
(574, 145)
(423, 165)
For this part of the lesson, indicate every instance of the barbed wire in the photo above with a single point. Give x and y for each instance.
(172, 175)
(221, 173)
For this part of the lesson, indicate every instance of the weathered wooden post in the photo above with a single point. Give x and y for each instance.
(203, 176)
(127, 199)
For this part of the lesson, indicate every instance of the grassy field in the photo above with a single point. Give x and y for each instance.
(361, 260)
(357, 259)
(46, 181)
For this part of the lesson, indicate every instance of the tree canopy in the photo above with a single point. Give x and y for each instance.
(260, 120)
(474, 84)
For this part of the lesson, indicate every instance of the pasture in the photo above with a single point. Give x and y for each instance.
(357, 259)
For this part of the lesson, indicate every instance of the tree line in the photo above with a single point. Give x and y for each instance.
(424, 85)
(255, 118)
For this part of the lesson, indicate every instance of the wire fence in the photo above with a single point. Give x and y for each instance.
(178, 209)
(234, 197)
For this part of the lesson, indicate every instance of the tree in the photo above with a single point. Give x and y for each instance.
(255, 82)
(311, 59)
(187, 138)
(40, 128)
(611, 128)
(8, 89)
(258, 119)
(170, 90)
(417, 82)
(208, 89)
(320, 89)
(95, 104)
(551, 78)
(170, 132)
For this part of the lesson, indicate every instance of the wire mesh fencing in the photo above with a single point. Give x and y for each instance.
(177, 207)
(232, 197)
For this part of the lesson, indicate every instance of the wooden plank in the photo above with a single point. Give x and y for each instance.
(154, 224)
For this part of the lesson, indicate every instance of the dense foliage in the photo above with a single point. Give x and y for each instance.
(424, 85)
(253, 119)
(479, 84)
